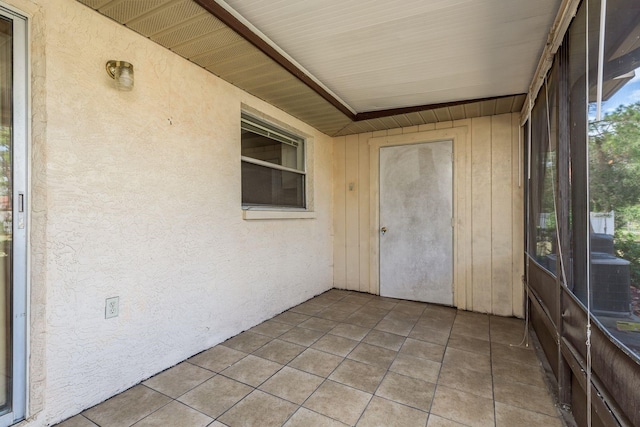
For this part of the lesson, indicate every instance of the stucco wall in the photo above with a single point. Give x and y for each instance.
(488, 210)
(137, 195)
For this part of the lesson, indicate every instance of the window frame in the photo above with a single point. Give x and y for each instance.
(285, 135)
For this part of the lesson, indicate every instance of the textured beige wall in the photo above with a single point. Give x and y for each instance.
(488, 209)
(137, 195)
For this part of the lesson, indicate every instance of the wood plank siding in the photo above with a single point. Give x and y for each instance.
(488, 209)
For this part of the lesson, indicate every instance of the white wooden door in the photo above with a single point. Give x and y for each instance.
(416, 234)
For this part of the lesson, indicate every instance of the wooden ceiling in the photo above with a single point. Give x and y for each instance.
(285, 72)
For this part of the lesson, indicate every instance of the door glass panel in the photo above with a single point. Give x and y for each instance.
(6, 223)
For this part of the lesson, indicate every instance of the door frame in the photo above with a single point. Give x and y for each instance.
(459, 138)
(20, 196)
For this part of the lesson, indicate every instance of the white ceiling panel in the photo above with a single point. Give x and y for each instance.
(387, 54)
(349, 66)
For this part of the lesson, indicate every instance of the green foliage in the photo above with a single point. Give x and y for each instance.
(627, 247)
(614, 164)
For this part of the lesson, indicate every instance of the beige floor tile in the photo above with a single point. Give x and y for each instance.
(440, 310)
(363, 320)
(413, 307)
(397, 361)
(175, 414)
(301, 336)
(350, 331)
(373, 355)
(401, 316)
(318, 324)
(384, 413)
(341, 293)
(271, 328)
(467, 360)
(409, 391)
(216, 395)
(436, 421)
(500, 323)
(507, 416)
(291, 384)
(306, 418)
(435, 336)
(334, 344)
(334, 314)
(259, 409)
(292, 318)
(444, 316)
(398, 327)
(415, 367)
(316, 362)
(358, 299)
(384, 339)
(467, 343)
(383, 304)
(524, 396)
(308, 308)
(518, 372)
(77, 421)
(377, 312)
(478, 331)
(344, 305)
(465, 408)
(474, 382)
(333, 295)
(127, 408)
(178, 380)
(339, 402)
(252, 370)
(508, 337)
(247, 341)
(279, 351)
(358, 375)
(423, 349)
(470, 317)
(525, 355)
(217, 358)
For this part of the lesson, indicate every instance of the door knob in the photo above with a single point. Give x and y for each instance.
(383, 230)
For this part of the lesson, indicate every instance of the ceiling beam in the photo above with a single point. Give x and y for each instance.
(235, 24)
(368, 115)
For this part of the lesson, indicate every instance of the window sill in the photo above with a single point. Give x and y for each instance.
(266, 214)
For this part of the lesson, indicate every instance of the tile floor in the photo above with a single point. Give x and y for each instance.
(346, 358)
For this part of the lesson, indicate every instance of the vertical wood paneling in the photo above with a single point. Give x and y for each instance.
(468, 220)
(462, 197)
(517, 200)
(488, 213)
(501, 216)
(481, 208)
(339, 214)
(462, 236)
(364, 208)
(352, 199)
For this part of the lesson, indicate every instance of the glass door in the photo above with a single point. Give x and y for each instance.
(13, 216)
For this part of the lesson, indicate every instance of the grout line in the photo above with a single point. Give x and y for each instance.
(446, 346)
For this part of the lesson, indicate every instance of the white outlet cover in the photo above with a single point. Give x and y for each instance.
(112, 307)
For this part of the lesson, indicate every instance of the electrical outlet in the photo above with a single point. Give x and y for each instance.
(112, 308)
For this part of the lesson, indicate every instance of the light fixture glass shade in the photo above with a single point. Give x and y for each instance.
(122, 73)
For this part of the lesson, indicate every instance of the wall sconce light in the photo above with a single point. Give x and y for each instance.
(122, 73)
